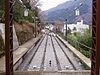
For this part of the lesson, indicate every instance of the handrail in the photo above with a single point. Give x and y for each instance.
(84, 45)
(81, 44)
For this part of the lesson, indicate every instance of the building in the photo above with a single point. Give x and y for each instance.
(59, 26)
(79, 27)
(51, 26)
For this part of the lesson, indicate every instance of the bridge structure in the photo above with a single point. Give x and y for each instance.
(95, 58)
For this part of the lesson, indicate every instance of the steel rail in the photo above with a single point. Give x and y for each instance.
(66, 55)
(36, 50)
(25, 63)
(57, 60)
(43, 59)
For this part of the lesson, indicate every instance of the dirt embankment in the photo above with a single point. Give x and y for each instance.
(24, 32)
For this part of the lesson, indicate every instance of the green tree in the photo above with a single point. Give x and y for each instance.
(84, 38)
(1, 9)
(18, 11)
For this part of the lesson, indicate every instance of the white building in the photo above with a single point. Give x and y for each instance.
(80, 27)
(51, 27)
(47, 27)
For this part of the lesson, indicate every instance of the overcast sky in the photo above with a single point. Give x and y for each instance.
(47, 4)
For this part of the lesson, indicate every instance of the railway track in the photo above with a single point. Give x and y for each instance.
(66, 54)
(29, 56)
(40, 55)
(57, 61)
(37, 62)
(42, 64)
(73, 58)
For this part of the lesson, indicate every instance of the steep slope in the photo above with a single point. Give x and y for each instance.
(67, 11)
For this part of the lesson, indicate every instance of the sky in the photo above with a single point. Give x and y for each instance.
(47, 4)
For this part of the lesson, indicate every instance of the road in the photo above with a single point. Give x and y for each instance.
(50, 48)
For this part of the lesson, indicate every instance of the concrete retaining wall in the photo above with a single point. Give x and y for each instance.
(15, 40)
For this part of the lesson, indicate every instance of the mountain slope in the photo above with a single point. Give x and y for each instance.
(67, 11)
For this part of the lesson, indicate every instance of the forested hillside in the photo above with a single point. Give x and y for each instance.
(67, 11)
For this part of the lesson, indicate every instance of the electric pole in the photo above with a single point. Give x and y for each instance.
(66, 28)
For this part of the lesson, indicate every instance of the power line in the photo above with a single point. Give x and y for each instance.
(78, 6)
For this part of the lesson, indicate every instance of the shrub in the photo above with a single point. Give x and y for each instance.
(84, 38)
(1, 10)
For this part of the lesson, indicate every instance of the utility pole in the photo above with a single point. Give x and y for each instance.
(35, 19)
(35, 26)
(35, 22)
(66, 28)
